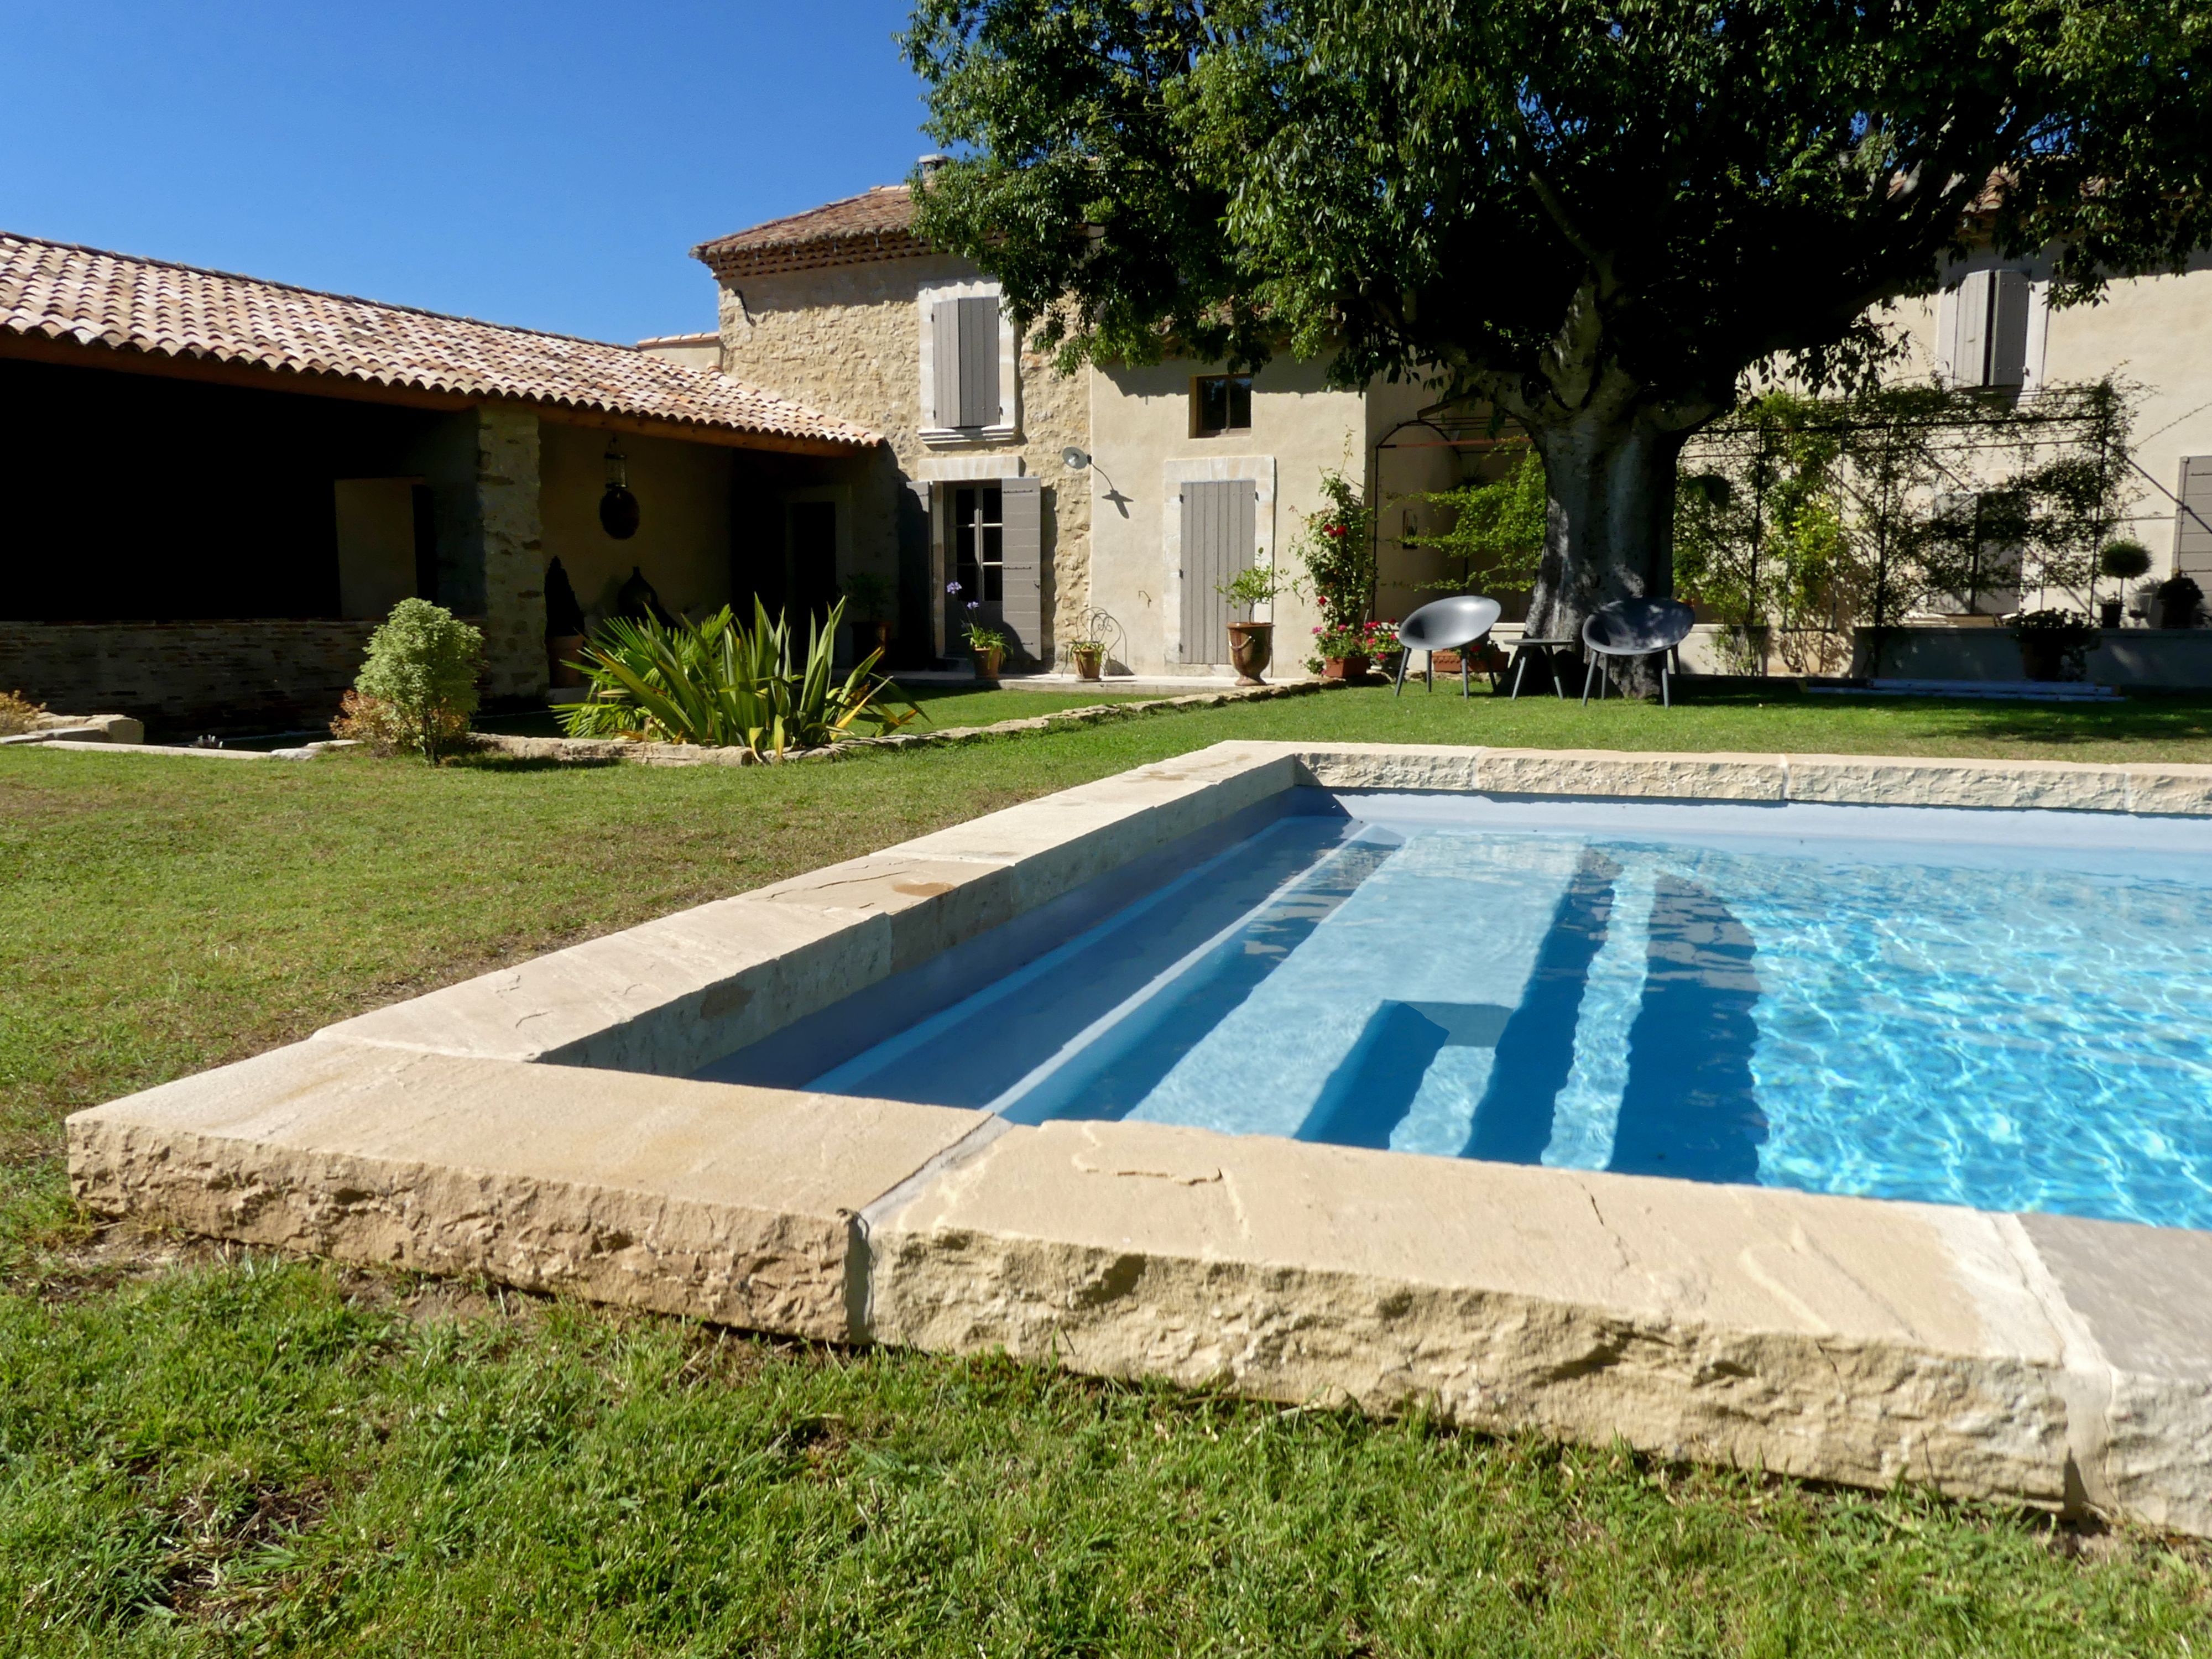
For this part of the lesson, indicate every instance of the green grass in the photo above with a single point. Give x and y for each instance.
(227, 1453)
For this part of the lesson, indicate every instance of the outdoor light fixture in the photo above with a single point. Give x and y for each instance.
(618, 506)
(1074, 458)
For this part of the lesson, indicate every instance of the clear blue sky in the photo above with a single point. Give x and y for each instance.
(542, 164)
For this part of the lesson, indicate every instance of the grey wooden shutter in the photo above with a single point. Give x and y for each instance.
(945, 364)
(979, 362)
(1219, 526)
(2009, 328)
(1970, 363)
(2192, 519)
(1021, 611)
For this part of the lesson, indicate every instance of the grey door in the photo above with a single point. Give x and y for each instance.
(1219, 539)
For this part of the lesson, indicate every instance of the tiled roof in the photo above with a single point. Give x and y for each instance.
(877, 224)
(61, 292)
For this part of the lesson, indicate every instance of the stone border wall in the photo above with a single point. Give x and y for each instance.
(535, 1124)
(685, 754)
(245, 674)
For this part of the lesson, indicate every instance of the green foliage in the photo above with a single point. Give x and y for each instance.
(420, 674)
(983, 640)
(1254, 585)
(1497, 532)
(2179, 602)
(1351, 176)
(18, 714)
(2124, 560)
(724, 686)
(1338, 550)
(1817, 514)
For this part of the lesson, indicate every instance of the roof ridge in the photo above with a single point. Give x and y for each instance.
(301, 288)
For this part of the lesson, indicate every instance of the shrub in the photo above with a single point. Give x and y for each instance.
(2124, 560)
(418, 686)
(365, 720)
(18, 714)
(2179, 601)
(1338, 554)
(724, 686)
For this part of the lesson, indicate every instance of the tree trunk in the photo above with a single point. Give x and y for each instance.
(1609, 529)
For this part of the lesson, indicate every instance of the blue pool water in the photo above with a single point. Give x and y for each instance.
(2012, 1010)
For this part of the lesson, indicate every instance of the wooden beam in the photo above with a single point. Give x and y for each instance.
(72, 354)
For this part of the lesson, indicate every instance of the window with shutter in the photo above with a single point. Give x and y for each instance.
(1984, 329)
(945, 364)
(979, 362)
(2193, 519)
(1970, 355)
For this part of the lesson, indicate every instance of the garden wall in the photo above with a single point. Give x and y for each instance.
(2148, 658)
(245, 675)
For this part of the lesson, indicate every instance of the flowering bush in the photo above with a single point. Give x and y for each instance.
(1339, 555)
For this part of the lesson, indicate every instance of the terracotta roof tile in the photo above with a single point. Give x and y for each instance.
(63, 292)
(876, 224)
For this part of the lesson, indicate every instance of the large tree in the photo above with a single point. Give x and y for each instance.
(1599, 217)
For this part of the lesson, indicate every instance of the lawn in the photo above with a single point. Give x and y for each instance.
(204, 1451)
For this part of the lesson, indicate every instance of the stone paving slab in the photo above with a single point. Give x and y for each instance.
(705, 1199)
(508, 1126)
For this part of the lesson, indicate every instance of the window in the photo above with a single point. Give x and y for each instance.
(965, 390)
(1220, 403)
(2192, 518)
(1982, 329)
(979, 544)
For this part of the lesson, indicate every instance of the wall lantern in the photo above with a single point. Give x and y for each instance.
(618, 506)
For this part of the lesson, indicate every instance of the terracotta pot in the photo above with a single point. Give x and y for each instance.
(1351, 667)
(885, 633)
(1444, 662)
(2042, 659)
(560, 650)
(1251, 646)
(986, 664)
(1090, 664)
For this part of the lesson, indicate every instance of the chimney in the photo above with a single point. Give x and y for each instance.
(929, 164)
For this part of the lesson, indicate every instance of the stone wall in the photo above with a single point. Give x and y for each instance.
(254, 674)
(513, 550)
(847, 341)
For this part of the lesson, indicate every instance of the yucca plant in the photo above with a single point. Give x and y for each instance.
(724, 685)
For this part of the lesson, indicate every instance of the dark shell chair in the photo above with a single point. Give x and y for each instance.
(1635, 628)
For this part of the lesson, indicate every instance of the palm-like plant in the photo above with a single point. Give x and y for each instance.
(723, 684)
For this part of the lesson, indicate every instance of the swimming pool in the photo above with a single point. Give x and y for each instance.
(2011, 1010)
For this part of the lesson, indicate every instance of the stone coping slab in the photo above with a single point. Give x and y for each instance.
(535, 1124)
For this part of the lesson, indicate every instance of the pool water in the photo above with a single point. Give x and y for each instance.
(2011, 1010)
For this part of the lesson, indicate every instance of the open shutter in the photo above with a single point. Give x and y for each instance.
(2192, 519)
(979, 362)
(1021, 611)
(2008, 304)
(1946, 335)
(1970, 363)
(1220, 520)
(945, 364)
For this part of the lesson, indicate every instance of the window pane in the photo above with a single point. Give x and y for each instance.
(1212, 405)
(1239, 399)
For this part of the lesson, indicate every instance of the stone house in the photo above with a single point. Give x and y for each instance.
(1192, 473)
(222, 484)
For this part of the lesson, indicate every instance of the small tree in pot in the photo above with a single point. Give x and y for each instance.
(2178, 602)
(2122, 562)
(2054, 644)
(1251, 644)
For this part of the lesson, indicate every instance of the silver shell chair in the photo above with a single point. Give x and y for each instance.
(1451, 624)
(1634, 627)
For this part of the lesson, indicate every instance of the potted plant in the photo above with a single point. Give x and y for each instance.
(1089, 657)
(2053, 643)
(988, 646)
(1380, 645)
(1251, 644)
(2178, 602)
(1340, 654)
(2122, 562)
(871, 602)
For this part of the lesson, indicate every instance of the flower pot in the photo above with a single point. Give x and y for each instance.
(1090, 664)
(2042, 659)
(1444, 662)
(561, 651)
(1351, 667)
(884, 631)
(986, 664)
(2108, 613)
(1251, 644)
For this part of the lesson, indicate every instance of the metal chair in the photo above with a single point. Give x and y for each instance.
(1452, 624)
(1634, 627)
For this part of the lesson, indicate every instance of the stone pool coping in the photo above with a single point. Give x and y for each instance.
(536, 1125)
